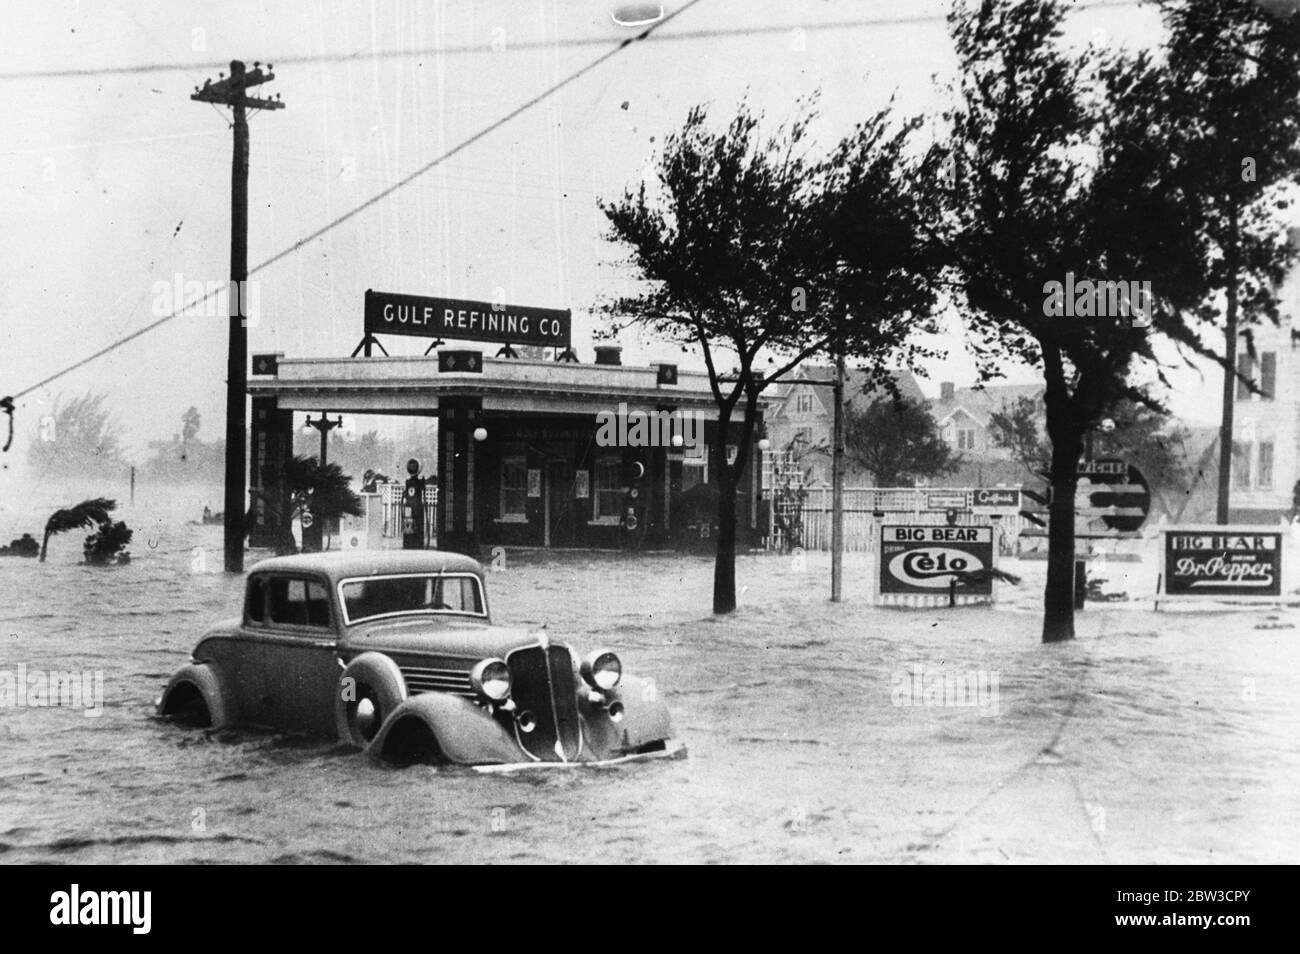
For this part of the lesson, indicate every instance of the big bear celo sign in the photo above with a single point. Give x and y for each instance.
(925, 559)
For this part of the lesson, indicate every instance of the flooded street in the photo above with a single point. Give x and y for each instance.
(1152, 738)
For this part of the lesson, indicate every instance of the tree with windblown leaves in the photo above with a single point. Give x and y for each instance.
(762, 257)
(1056, 163)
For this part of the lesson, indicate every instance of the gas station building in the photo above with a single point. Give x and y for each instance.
(522, 459)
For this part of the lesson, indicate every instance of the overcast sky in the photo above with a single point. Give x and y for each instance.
(115, 180)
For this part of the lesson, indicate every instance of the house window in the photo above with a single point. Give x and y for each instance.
(1243, 371)
(803, 403)
(1241, 467)
(1267, 374)
(1264, 475)
(607, 496)
(966, 438)
(514, 486)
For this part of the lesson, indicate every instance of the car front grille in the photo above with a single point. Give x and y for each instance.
(543, 684)
(424, 679)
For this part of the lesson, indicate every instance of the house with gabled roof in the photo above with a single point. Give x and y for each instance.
(803, 416)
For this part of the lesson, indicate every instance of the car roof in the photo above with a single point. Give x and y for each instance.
(340, 565)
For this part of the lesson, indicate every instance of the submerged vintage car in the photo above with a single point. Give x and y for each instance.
(396, 653)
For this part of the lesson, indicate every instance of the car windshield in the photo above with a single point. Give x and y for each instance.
(433, 593)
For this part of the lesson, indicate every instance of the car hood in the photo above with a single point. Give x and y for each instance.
(443, 635)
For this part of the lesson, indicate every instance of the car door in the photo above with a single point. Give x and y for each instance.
(300, 671)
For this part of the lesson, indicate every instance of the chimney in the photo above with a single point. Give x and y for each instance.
(609, 354)
(947, 390)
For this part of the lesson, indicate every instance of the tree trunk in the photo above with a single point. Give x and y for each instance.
(724, 566)
(730, 478)
(1058, 598)
(44, 543)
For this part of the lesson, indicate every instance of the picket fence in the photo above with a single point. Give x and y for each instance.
(898, 504)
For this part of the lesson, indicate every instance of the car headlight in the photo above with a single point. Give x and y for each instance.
(602, 670)
(491, 679)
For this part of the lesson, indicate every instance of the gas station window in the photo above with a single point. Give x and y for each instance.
(608, 495)
(695, 470)
(514, 486)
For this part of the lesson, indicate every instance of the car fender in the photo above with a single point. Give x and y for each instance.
(463, 732)
(645, 719)
(207, 681)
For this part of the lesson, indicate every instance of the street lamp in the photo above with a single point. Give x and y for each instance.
(480, 434)
(324, 425)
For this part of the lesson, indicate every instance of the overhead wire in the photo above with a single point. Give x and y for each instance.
(378, 197)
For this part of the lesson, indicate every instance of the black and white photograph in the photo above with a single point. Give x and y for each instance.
(699, 432)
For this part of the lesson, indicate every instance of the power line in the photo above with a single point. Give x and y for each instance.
(524, 46)
(377, 197)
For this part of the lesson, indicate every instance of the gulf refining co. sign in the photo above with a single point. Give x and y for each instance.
(388, 313)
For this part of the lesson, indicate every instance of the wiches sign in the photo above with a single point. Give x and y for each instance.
(926, 559)
(1241, 562)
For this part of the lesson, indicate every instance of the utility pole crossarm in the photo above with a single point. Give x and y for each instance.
(229, 89)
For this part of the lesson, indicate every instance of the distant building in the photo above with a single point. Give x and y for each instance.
(1266, 425)
(802, 418)
(964, 415)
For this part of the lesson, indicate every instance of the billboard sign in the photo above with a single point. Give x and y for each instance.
(946, 500)
(1222, 562)
(1112, 497)
(390, 313)
(924, 559)
(995, 500)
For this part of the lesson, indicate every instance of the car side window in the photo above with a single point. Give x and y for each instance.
(298, 602)
(255, 602)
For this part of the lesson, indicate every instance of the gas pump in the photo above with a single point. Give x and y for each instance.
(413, 508)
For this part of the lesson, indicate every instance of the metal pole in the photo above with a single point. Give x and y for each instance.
(324, 428)
(837, 486)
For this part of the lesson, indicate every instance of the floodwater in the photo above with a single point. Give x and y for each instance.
(1151, 738)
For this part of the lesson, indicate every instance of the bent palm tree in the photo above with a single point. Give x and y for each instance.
(85, 515)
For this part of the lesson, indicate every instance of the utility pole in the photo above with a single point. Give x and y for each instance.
(1221, 509)
(837, 485)
(324, 425)
(231, 92)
